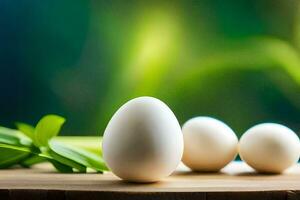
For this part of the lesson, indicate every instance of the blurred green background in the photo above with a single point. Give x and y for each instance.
(236, 60)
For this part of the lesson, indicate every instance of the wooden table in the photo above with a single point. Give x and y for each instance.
(236, 181)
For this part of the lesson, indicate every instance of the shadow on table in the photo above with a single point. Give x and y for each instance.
(254, 173)
(195, 173)
(222, 173)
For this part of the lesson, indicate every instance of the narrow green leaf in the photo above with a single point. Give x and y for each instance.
(59, 157)
(9, 131)
(61, 167)
(32, 160)
(27, 129)
(13, 137)
(9, 139)
(79, 155)
(57, 164)
(88, 143)
(12, 155)
(48, 127)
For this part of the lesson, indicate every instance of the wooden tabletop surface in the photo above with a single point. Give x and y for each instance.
(235, 181)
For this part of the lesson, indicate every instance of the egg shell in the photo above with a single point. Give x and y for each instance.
(269, 147)
(209, 144)
(143, 141)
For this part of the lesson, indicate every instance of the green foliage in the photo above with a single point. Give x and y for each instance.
(13, 137)
(10, 155)
(31, 145)
(89, 143)
(58, 157)
(47, 128)
(8, 138)
(32, 160)
(27, 129)
(78, 155)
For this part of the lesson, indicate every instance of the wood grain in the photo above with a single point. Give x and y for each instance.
(236, 181)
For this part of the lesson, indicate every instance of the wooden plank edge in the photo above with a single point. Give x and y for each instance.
(36, 194)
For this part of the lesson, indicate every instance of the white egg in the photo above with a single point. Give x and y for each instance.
(143, 141)
(209, 144)
(269, 147)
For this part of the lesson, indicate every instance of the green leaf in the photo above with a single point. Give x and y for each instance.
(27, 129)
(13, 137)
(59, 156)
(9, 139)
(48, 127)
(88, 143)
(61, 167)
(42, 157)
(12, 155)
(57, 161)
(79, 155)
(32, 160)
(28, 146)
